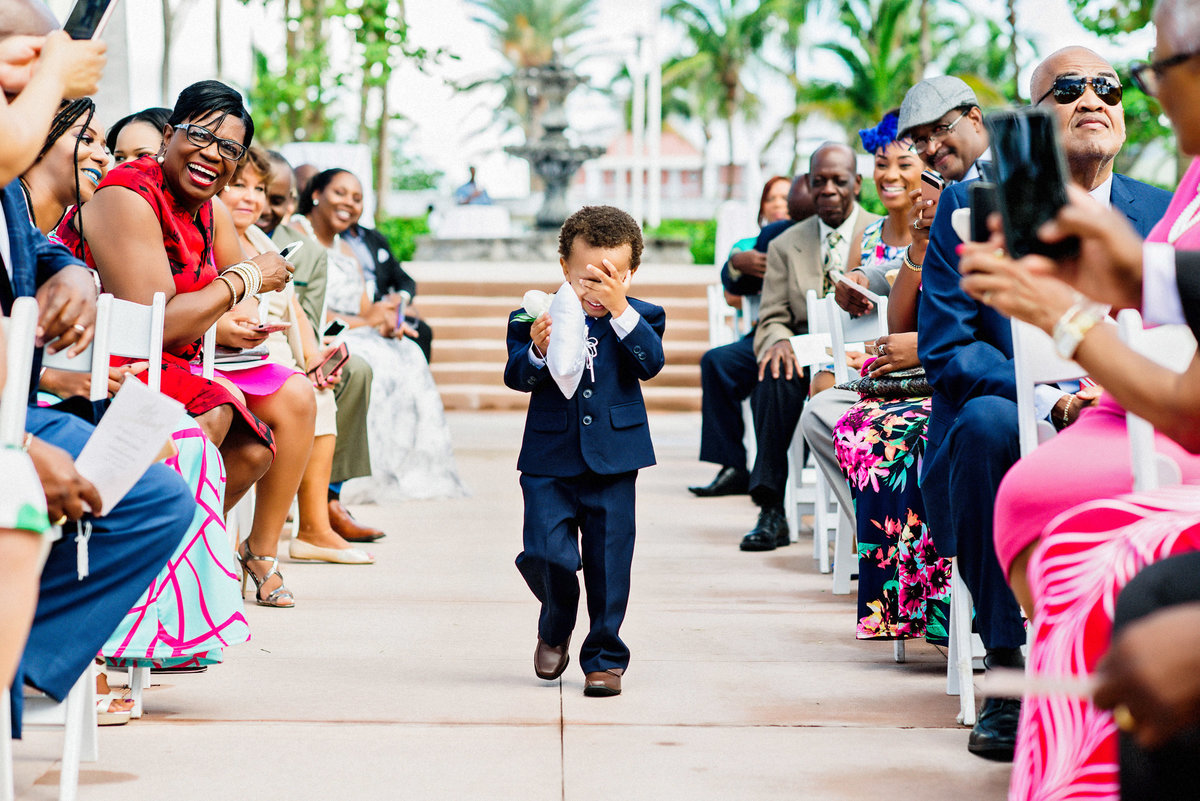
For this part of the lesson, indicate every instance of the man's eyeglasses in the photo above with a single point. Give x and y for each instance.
(202, 137)
(1148, 76)
(937, 133)
(1068, 89)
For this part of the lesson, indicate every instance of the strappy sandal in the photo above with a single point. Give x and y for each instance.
(281, 597)
(106, 715)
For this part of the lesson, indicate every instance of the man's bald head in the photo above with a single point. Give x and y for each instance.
(1045, 72)
(26, 18)
(834, 181)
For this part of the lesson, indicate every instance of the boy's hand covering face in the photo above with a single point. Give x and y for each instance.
(600, 277)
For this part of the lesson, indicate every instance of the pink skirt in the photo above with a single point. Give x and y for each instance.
(260, 381)
(1088, 460)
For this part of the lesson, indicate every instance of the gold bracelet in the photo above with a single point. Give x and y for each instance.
(910, 264)
(232, 292)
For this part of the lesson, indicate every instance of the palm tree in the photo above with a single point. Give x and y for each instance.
(726, 36)
(881, 54)
(528, 33)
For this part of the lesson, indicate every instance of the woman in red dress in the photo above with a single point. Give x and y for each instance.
(164, 234)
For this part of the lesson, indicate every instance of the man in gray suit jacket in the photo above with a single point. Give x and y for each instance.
(798, 260)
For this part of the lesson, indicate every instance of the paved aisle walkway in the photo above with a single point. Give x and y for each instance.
(412, 679)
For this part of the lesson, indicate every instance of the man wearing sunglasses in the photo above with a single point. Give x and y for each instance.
(966, 349)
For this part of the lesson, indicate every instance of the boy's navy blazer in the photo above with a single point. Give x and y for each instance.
(603, 427)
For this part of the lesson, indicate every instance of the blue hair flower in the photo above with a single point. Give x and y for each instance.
(881, 135)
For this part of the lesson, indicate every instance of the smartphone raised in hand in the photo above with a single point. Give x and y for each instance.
(984, 199)
(1031, 174)
(88, 18)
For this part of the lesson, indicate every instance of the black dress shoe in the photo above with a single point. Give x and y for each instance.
(995, 733)
(729, 481)
(769, 533)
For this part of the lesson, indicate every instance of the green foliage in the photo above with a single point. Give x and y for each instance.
(701, 236)
(402, 233)
(1143, 124)
(1111, 17)
(869, 198)
(410, 175)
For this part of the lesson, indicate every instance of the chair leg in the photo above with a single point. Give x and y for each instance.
(821, 524)
(844, 558)
(6, 756)
(960, 674)
(80, 710)
(139, 680)
(898, 650)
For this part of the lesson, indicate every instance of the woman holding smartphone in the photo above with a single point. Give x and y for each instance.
(291, 342)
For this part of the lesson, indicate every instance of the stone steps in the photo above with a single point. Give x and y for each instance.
(468, 306)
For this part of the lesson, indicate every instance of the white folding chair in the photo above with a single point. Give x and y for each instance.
(76, 714)
(135, 331)
(723, 326)
(803, 488)
(851, 332)
(735, 221)
(1173, 347)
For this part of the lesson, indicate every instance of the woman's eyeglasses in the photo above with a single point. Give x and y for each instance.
(1148, 76)
(1069, 89)
(202, 137)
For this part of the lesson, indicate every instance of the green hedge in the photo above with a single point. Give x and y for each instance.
(402, 233)
(701, 236)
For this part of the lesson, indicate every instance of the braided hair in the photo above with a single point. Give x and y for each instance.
(69, 113)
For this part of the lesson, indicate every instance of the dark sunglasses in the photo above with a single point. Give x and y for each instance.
(1068, 90)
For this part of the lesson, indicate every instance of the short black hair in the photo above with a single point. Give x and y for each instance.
(602, 227)
(156, 116)
(317, 184)
(206, 97)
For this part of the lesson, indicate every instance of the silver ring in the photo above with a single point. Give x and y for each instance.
(917, 224)
(882, 349)
(81, 329)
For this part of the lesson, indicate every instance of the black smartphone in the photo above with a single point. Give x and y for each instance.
(88, 18)
(984, 199)
(335, 327)
(1031, 174)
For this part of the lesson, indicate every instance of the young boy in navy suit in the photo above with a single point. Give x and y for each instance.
(580, 455)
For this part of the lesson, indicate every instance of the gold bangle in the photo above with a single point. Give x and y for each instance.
(910, 264)
(233, 291)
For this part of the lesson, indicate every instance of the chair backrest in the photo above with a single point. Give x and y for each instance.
(735, 220)
(20, 331)
(722, 318)
(846, 329)
(123, 328)
(209, 352)
(1036, 361)
(1172, 346)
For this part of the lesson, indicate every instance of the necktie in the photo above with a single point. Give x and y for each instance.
(832, 260)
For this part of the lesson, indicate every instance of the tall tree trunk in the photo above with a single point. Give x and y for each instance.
(729, 174)
(924, 45)
(168, 18)
(1012, 50)
(218, 50)
(383, 155)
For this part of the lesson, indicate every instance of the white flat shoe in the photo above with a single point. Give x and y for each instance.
(304, 551)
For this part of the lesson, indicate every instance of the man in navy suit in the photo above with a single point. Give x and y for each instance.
(580, 455)
(729, 373)
(966, 349)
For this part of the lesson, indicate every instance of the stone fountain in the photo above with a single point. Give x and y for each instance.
(553, 158)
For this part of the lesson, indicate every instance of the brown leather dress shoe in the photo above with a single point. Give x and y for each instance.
(549, 661)
(602, 683)
(348, 528)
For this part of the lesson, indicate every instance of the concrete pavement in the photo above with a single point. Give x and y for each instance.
(412, 678)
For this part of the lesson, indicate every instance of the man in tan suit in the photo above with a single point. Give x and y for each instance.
(798, 260)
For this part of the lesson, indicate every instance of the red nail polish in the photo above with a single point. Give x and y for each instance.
(959, 248)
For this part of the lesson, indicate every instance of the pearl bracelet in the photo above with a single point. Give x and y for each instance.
(233, 298)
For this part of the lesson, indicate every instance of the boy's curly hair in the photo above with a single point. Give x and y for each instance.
(602, 227)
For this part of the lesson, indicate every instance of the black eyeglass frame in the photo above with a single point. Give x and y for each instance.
(203, 140)
(1069, 84)
(938, 132)
(1140, 68)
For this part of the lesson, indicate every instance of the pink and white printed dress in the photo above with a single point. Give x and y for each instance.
(1066, 747)
(193, 608)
